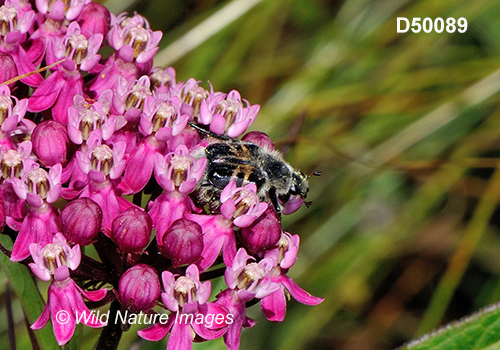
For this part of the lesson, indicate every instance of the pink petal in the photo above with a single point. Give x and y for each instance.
(43, 319)
(46, 95)
(274, 306)
(227, 209)
(180, 337)
(215, 329)
(205, 116)
(237, 129)
(299, 294)
(218, 124)
(43, 274)
(94, 295)
(57, 10)
(62, 300)
(158, 331)
(61, 273)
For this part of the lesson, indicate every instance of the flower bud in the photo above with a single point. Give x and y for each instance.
(259, 138)
(263, 234)
(81, 221)
(50, 143)
(94, 19)
(131, 230)
(139, 287)
(183, 242)
(8, 69)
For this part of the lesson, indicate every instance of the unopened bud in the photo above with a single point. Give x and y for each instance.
(139, 288)
(50, 143)
(81, 221)
(183, 242)
(131, 230)
(263, 234)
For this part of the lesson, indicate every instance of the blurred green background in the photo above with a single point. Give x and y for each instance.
(404, 231)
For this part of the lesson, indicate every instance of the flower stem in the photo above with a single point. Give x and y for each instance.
(10, 317)
(112, 333)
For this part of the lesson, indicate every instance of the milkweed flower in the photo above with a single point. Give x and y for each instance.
(241, 204)
(85, 118)
(245, 282)
(39, 189)
(191, 314)
(284, 255)
(66, 82)
(227, 113)
(103, 164)
(65, 302)
(177, 173)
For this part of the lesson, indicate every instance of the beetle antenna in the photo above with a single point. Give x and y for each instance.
(316, 173)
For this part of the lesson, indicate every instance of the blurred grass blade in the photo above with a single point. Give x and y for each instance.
(204, 31)
(479, 331)
(28, 294)
(461, 257)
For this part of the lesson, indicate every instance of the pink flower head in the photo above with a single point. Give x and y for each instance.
(192, 95)
(129, 98)
(59, 10)
(12, 161)
(184, 292)
(85, 118)
(100, 161)
(226, 113)
(259, 138)
(102, 164)
(37, 186)
(132, 38)
(284, 255)
(241, 204)
(193, 315)
(79, 51)
(64, 306)
(162, 78)
(248, 279)
(15, 22)
(178, 171)
(11, 114)
(245, 282)
(163, 118)
(55, 259)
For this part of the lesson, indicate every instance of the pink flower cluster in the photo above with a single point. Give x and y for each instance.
(91, 130)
